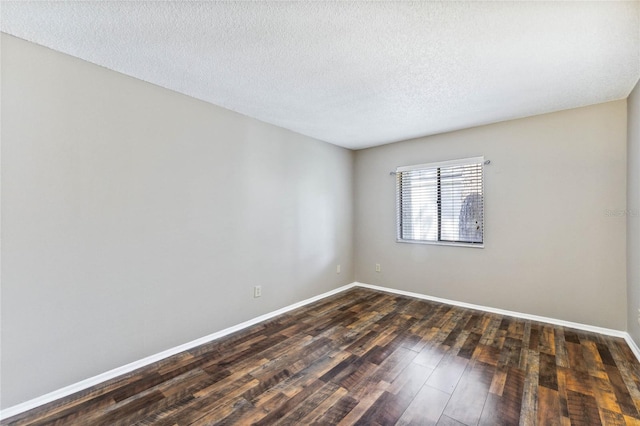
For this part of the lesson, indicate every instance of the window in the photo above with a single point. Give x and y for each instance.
(441, 203)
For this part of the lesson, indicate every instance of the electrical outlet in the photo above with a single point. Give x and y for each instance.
(638, 315)
(257, 291)
(338, 269)
(378, 267)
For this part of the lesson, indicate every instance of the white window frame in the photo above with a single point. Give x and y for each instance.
(432, 166)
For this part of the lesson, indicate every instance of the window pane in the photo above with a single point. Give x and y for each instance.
(419, 209)
(461, 208)
(471, 219)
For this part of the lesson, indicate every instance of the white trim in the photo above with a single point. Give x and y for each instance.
(554, 321)
(100, 378)
(463, 161)
(441, 243)
(632, 345)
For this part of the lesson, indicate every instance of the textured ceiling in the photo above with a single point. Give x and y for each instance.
(356, 74)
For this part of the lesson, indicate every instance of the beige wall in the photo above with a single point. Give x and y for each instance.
(135, 219)
(633, 213)
(550, 248)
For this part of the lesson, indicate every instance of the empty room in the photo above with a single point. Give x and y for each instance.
(331, 213)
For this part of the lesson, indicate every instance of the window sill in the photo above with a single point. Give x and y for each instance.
(441, 243)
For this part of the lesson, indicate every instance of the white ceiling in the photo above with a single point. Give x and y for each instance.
(356, 74)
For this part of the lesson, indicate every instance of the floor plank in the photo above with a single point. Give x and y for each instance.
(366, 357)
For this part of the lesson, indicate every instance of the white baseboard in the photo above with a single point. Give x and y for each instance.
(92, 381)
(632, 345)
(554, 321)
(100, 378)
(576, 325)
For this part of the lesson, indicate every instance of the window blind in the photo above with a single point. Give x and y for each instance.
(441, 202)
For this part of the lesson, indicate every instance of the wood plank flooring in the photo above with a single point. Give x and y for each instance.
(365, 357)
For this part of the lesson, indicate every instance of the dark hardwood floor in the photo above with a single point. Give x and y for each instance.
(370, 358)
